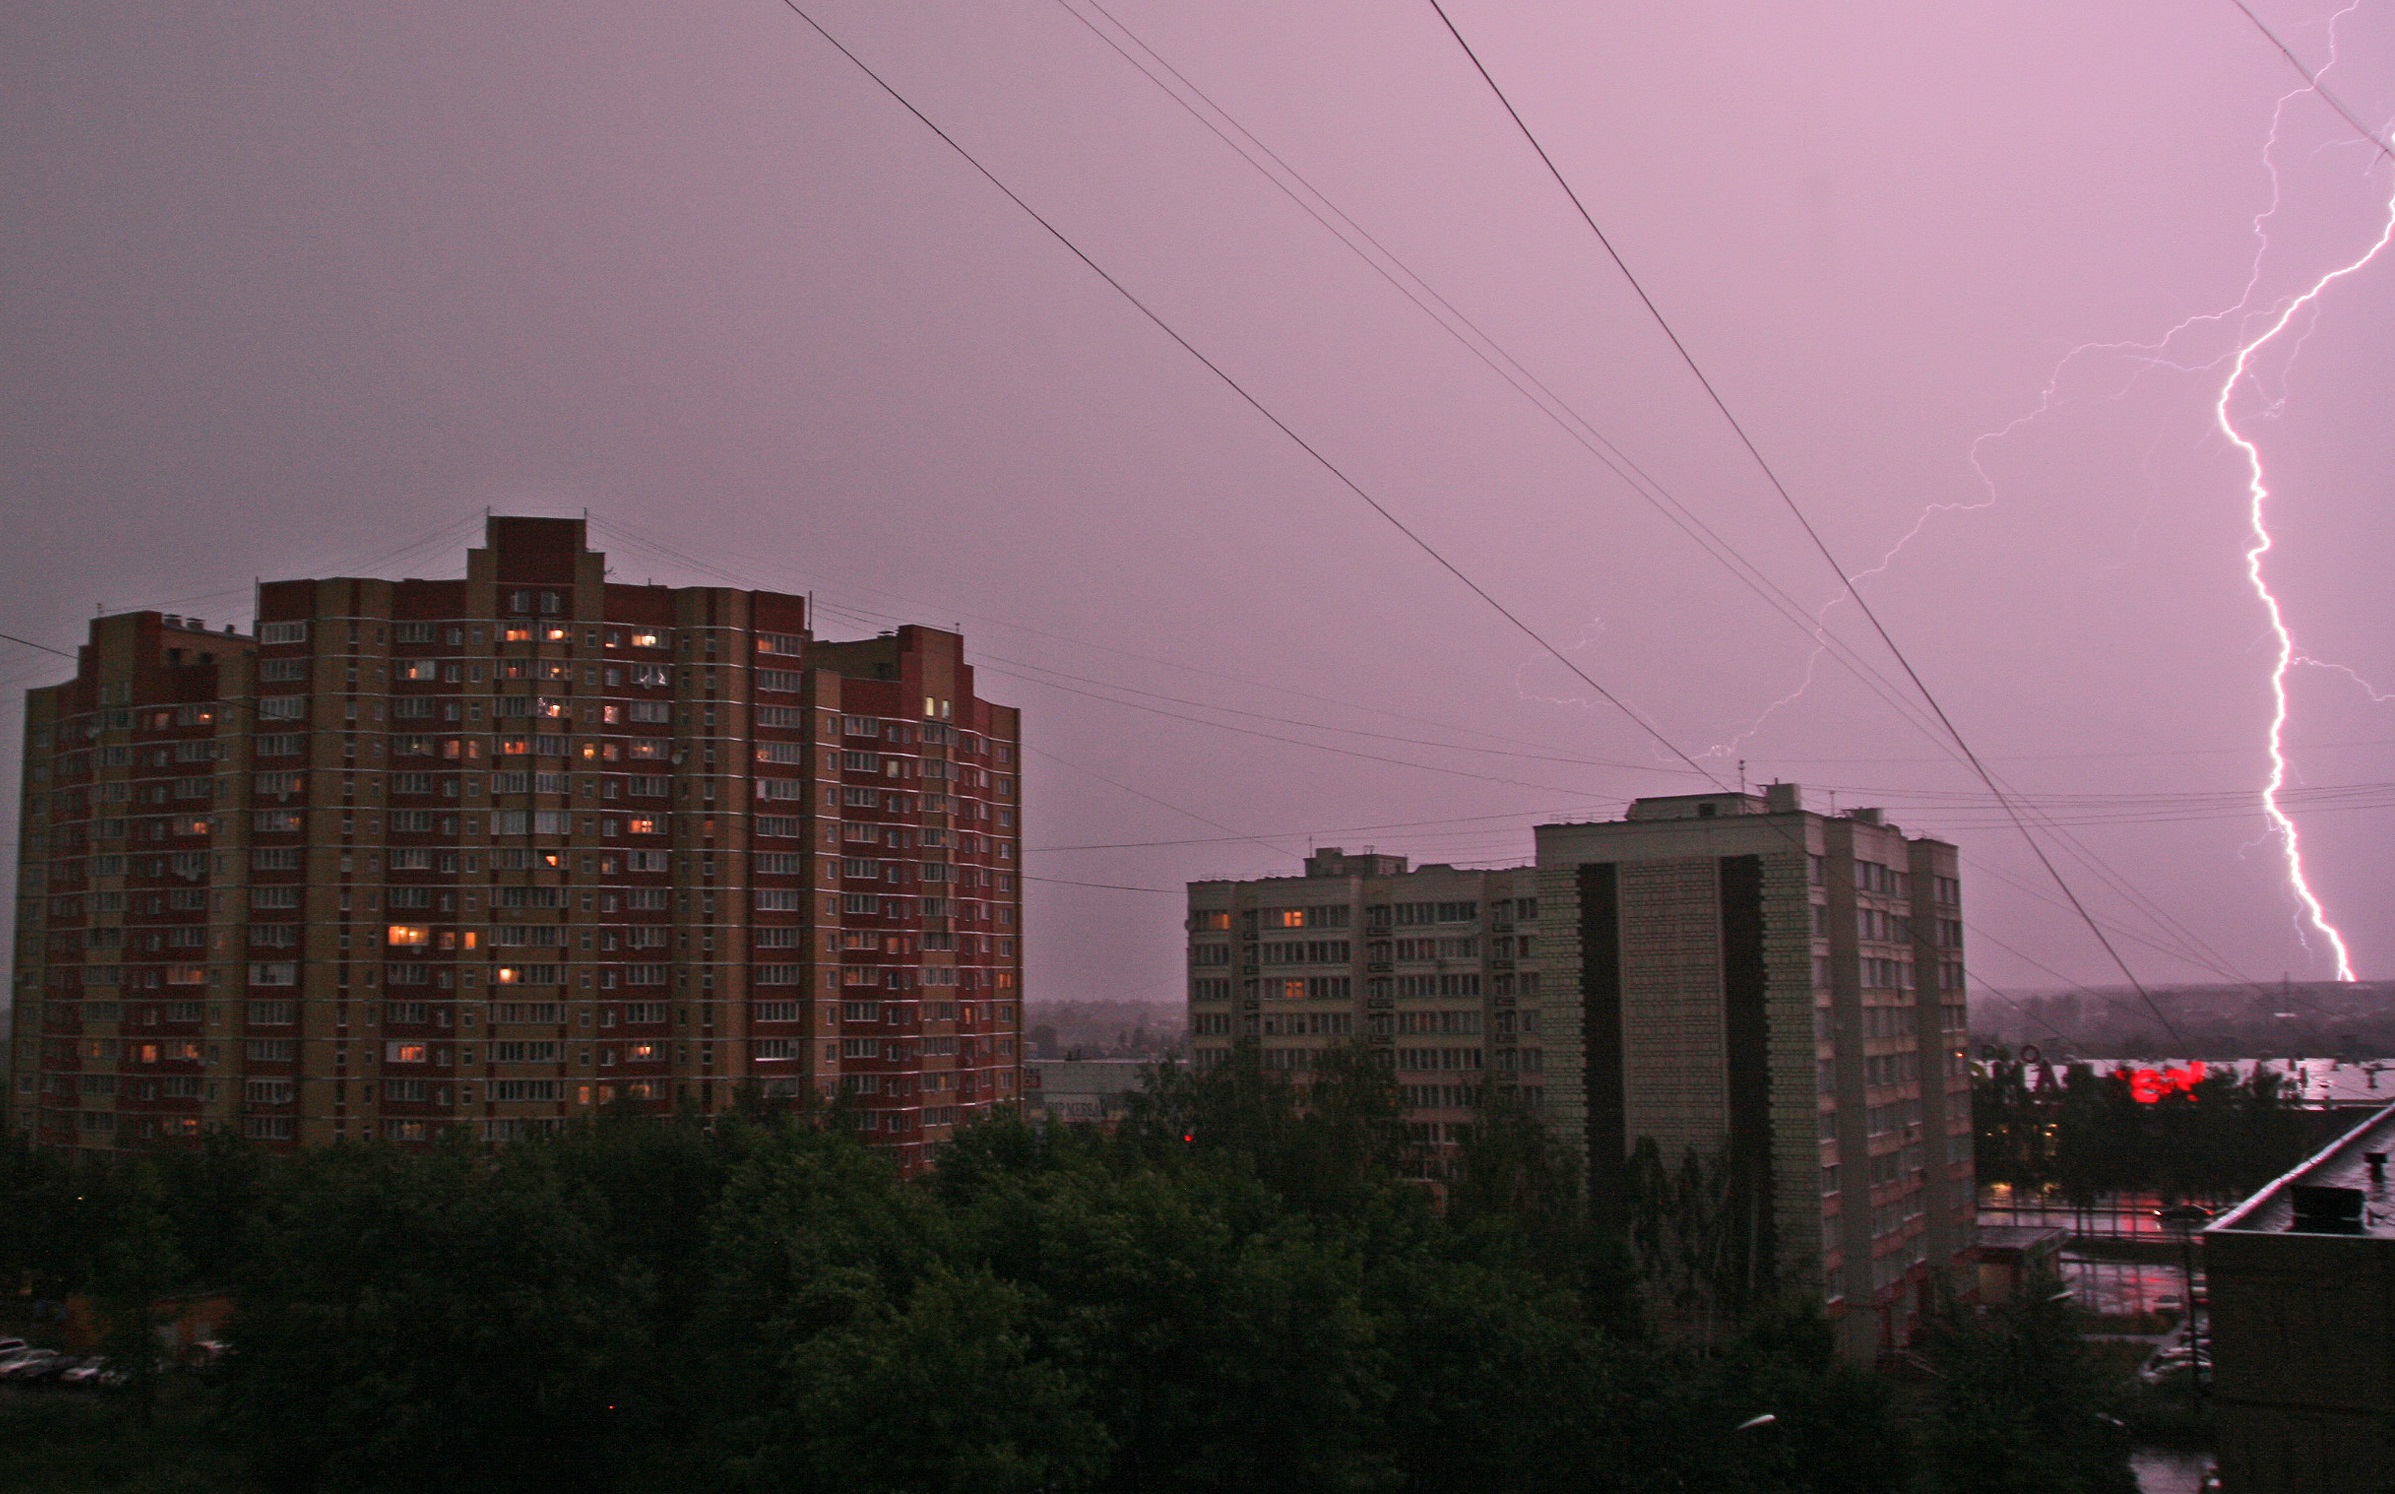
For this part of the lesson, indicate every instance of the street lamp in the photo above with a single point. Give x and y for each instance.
(2184, 1220)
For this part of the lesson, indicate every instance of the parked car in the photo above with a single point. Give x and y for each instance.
(9, 1346)
(45, 1371)
(2178, 1373)
(84, 1373)
(28, 1364)
(2167, 1364)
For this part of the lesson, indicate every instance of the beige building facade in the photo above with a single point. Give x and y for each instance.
(1781, 991)
(1436, 969)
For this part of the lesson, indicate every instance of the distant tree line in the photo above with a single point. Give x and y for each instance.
(1234, 1291)
(2086, 1133)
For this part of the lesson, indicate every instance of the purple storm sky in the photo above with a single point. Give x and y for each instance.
(300, 290)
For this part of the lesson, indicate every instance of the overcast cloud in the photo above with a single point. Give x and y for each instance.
(298, 290)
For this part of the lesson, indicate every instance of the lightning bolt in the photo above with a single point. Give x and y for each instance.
(2241, 371)
(2257, 513)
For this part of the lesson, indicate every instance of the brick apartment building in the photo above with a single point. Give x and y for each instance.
(1724, 974)
(1435, 968)
(1784, 987)
(496, 852)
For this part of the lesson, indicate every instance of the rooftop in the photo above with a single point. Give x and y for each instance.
(2340, 1190)
(2019, 1239)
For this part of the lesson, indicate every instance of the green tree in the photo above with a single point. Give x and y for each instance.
(946, 1393)
(406, 1321)
(140, 1268)
(2019, 1405)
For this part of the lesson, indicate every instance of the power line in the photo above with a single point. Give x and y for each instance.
(29, 643)
(1261, 408)
(1249, 731)
(2313, 79)
(1321, 459)
(1794, 508)
(1107, 886)
(1144, 845)
(2092, 809)
(1548, 403)
(1152, 799)
(1543, 757)
(869, 616)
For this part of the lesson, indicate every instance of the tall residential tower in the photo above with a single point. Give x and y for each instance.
(498, 851)
(1784, 990)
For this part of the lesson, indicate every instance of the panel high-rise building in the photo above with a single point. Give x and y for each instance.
(1782, 991)
(500, 851)
(1434, 968)
(1774, 992)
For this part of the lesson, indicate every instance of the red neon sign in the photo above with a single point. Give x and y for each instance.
(2147, 1086)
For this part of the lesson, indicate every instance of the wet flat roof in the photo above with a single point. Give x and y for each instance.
(2020, 1237)
(2342, 1169)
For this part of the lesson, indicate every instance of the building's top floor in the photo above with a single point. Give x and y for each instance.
(144, 658)
(1332, 864)
(1331, 861)
(534, 585)
(2340, 1190)
(1776, 819)
(1777, 798)
(1372, 901)
(537, 579)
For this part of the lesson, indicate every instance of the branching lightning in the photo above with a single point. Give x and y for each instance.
(2257, 510)
(2258, 494)
(2238, 370)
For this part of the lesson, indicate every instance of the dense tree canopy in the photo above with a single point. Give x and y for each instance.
(2087, 1133)
(1234, 1291)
